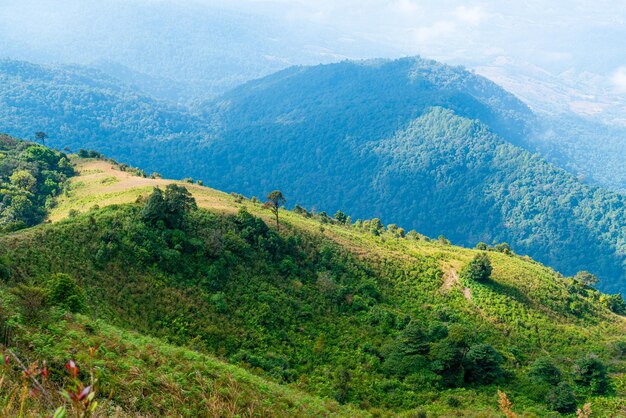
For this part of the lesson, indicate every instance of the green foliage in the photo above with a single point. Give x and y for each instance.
(170, 207)
(274, 201)
(591, 373)
(543, 370)
(33, 301)
(482, 365)
(561, 399)
(65, 293)
(586, 278)
(479, 269)
(615, 303)
(31, 176)
(378, 330)
(454, 162)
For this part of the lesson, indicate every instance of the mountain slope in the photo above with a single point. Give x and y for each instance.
(332, 309)
(325, 136)
(82, 108)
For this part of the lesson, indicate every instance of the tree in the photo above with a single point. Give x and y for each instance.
(41, 137)
(586, 278)
(274, 201)
(482, 365)
(65, 292)
(479, 269)
(154, 209)
(503, 247)
(376, 226)
(170, 206)
(591, 372)
(24, 180)
(561, 399)
(341, 217)
(544, 371)
(178, 202)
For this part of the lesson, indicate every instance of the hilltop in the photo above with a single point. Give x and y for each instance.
(375, 317)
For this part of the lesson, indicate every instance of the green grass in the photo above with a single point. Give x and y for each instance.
(271, 305)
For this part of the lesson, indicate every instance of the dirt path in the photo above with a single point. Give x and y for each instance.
(451, 280)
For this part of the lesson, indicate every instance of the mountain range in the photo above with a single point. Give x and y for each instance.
(428, 146)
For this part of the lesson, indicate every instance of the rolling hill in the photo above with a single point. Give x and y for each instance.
(429, 146)
(385, 322)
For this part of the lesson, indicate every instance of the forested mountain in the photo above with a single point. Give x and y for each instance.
(80, 107)
(335, 317)
(426, 145)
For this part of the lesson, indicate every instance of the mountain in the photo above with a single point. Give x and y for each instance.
(433, 147)
(171, 50)
(429, 146)
(334, 318)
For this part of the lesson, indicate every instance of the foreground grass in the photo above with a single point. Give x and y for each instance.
(524, 309)
(142, 376)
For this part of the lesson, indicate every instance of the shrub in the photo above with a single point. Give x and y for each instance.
(544, 371)
(479, 269)
(32, 301)
(482, 365)
(615, 303)
(482, 246)
(5, 271)
(590, 372)
(561, 399)
(65, 292)
(503, 247)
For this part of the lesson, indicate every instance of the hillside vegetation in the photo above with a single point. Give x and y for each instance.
(31, 176)
(411, 141)
(384, 320)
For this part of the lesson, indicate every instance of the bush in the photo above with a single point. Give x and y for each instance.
(615, 303)
(544, 371)
(32, 301)
(590, 372)
(65, 293)
(5, 271)
(479, 269)
(482, 365)
(561, 399)
(503, 248)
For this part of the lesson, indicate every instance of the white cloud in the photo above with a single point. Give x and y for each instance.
(435, 31)
(619, 80)
(473, 16)
(405, 7)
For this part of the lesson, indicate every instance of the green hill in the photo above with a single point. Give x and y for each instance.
(384, 321)
(411, 141)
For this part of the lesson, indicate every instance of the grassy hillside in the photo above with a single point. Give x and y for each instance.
(385, 321)
(329, 136)
(138, 375)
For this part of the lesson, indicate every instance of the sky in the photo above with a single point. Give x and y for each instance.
(576, 44)
(555, 32)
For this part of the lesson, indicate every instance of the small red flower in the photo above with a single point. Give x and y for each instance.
(72, 368)
(7, 359)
